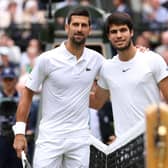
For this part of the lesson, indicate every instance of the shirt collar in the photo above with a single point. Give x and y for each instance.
(69, 55)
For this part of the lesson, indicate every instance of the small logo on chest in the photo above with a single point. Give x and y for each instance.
(125, 70)
(88, 69)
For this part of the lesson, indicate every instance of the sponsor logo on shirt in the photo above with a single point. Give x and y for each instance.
(88, 69)
(125, 70)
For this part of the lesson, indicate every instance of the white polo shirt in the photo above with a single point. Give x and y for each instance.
(133, 86)
(66, 84)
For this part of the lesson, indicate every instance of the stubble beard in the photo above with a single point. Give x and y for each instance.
(125, 47)
(78, 42)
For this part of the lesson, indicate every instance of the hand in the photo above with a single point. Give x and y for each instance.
(20, 144)
(111, 139)
(142, 48)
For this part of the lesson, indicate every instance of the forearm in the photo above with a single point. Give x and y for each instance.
(95, 102)
(23, 111)
(24, 105)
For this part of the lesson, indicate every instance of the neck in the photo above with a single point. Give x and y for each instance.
(127, 54)
(9, 92)
(76, 50)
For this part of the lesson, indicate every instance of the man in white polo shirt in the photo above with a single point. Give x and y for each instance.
(66, 74)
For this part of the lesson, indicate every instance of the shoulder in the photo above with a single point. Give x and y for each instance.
(153, 60)
(93, 53)
(49, 54)
(110, 62)
(150, 56)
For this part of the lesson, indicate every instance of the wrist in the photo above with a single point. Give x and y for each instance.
(19, 128)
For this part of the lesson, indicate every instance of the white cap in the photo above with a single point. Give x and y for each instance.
(30, 4)
(4, 51)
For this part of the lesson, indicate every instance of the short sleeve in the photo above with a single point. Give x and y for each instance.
(102, 75)
(159, 67)
(37, 75)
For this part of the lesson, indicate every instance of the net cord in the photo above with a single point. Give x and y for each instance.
(120, 141)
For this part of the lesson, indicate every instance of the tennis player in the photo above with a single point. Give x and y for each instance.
(133, 79)
(66, 74)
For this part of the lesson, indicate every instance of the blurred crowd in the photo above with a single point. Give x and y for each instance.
(20, 24)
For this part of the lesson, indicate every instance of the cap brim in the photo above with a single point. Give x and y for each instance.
(8, 76)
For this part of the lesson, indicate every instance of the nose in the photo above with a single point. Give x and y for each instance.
(118, 34)
(79, 27)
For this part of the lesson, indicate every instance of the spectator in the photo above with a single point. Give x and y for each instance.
(97, 21)
(65, 3)
(8, 103)
(33, 43)
(141, 40)
(15, 51)
(15, 14)
(121, 6)
(32, 14)
(155, 16)
(163, 42)
(5, 57)
(60, 20)
(11, 14)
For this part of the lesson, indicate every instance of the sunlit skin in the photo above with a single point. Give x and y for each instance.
(78, 30)
(121, 38)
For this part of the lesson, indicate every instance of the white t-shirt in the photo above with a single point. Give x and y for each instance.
(66, 84)
(133, 85)
(95, 124)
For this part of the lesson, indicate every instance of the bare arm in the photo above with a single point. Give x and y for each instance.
(24, 105)
(98, 98)
(22, 113)
(163, 85)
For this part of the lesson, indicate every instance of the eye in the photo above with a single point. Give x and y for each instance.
(75, 24)
(84, 25)
(123, 30)
(113, 31)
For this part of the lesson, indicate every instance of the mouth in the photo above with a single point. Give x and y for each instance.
(119, 42)
(78, 35)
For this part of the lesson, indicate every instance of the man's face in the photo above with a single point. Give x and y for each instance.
(120, 37)
(9, 83)
(78, 29)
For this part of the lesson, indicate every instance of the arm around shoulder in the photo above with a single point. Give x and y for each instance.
(98, 97)
(163, 85)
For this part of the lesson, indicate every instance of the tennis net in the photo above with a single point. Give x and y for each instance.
(125, 152)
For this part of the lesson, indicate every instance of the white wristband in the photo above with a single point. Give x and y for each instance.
(19, 128)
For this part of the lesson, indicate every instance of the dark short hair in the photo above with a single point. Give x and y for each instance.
(78, 12)
(118, 18)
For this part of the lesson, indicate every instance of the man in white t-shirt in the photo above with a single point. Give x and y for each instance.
(66, 74)
(133, 79)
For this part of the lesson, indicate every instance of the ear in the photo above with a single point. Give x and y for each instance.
(90, 30)
(66, 28)
(132, 33)
(108, 36)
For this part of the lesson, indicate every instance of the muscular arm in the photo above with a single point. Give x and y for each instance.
(98, 98)
(163, 85)
(22, 113)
